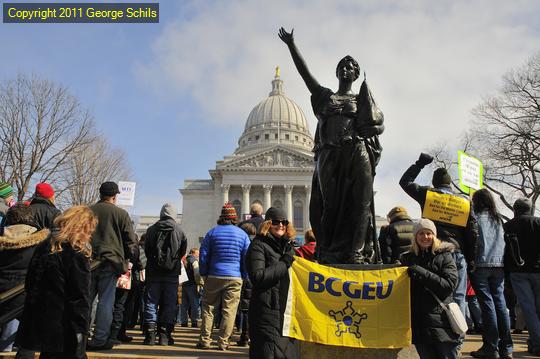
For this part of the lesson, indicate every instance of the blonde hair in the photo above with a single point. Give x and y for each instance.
(290, 232)
(75, 227)
(436, 244)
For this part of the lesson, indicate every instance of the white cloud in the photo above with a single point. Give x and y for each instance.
(428, 63)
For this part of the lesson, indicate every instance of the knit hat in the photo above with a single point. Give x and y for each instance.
(275, 213)
(168, 210)
(424, 223)
(5, 190)
(397, 212)
(441, 177)
(522, 206)
(228, 212)
(108, 189)
(44, 190)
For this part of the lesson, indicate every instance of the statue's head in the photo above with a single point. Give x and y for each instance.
(346, 60)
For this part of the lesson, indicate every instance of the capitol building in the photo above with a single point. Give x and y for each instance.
(272, 165)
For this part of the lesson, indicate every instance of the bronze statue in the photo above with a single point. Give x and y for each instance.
(347, 149)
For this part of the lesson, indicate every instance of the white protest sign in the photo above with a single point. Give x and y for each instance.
(127, 194)
(470, 171)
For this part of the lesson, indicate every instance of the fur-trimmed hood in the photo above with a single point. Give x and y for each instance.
(21, 236)
(445, 247)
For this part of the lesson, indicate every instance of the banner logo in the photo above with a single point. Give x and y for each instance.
(348, 320)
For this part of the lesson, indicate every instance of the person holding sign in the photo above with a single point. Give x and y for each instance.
(268, 259)
(452, 216)
(433, 272)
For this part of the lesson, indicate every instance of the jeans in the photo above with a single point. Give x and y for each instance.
(164, 294)
(437, 350)
(460, 292)
(190, 302)
(473, 308)
(527, 289)
(488, 284)
(119, 311)
(7, 337)
(104, 286)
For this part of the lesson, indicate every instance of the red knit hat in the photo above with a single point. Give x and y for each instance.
(44, 190)
(228, 212)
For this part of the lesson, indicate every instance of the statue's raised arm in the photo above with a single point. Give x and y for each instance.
(288, 38)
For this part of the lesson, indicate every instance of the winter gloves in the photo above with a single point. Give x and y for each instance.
(424, 160)
(287, 259)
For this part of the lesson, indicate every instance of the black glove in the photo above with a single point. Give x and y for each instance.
(471, 267)
(424, 160)
(413, 271)
(80, 349)
(287, 259)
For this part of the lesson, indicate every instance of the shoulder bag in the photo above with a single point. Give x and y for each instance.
(454, 315)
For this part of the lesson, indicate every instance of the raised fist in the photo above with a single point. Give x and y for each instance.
(424, 160)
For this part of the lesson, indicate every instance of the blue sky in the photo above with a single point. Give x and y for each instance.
(175, 95)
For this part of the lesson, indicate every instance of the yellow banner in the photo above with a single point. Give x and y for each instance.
(352, 308)
(446, 208)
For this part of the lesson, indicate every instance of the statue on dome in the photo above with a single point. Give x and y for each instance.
(347, 150)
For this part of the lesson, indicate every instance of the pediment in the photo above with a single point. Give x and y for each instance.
(277, 157)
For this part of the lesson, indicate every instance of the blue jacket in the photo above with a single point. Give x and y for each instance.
(222, 252)
(490, 241)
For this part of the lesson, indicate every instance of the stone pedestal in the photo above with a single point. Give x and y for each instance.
(320, 351)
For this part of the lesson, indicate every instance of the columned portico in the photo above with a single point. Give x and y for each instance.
(225, 192)
(288, 201)
(306, 206)
(267, 195)
(245, 198)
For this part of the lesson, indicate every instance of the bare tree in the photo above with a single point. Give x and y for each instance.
(41, 126)
(505, 136)
(87, 168)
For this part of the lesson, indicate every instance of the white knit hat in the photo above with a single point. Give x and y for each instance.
(425, 223)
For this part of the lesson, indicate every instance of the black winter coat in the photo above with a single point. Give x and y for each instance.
(396, 238)
(17, 246)
(270, 280)
(178, 242)
(57, 305)
(437, 272)
(465, 239)
(527, 229)
(44, 212)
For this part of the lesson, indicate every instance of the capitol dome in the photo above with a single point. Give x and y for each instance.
(275, 120)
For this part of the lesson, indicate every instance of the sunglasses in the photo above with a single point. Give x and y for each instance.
(277, 222)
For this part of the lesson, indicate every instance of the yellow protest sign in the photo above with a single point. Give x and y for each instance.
(352, 308)
(447, 208)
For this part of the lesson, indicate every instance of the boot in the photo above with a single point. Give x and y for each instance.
(162, 333)
(113, 336)
(170, 328)
(150, 334)
(244, 340)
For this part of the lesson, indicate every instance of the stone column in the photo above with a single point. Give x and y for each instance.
(245, 200)
(306, 207)
(288, 201)
(225, 192)
(267, 196)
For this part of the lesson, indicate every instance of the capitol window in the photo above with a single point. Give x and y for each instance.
(266, 136)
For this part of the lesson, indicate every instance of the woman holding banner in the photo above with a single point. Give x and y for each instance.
(433, 272)
(268, 258)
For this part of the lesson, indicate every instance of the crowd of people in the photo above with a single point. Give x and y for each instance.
(87, 267)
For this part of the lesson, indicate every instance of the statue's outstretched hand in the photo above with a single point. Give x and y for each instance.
(286, 37)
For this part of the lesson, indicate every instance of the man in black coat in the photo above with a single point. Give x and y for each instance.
(396, 238)
(256, 219)
(464, 238)
(526, 279)
(165, 246)
(43, 207)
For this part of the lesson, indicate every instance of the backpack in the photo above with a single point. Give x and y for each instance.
(166, 254)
